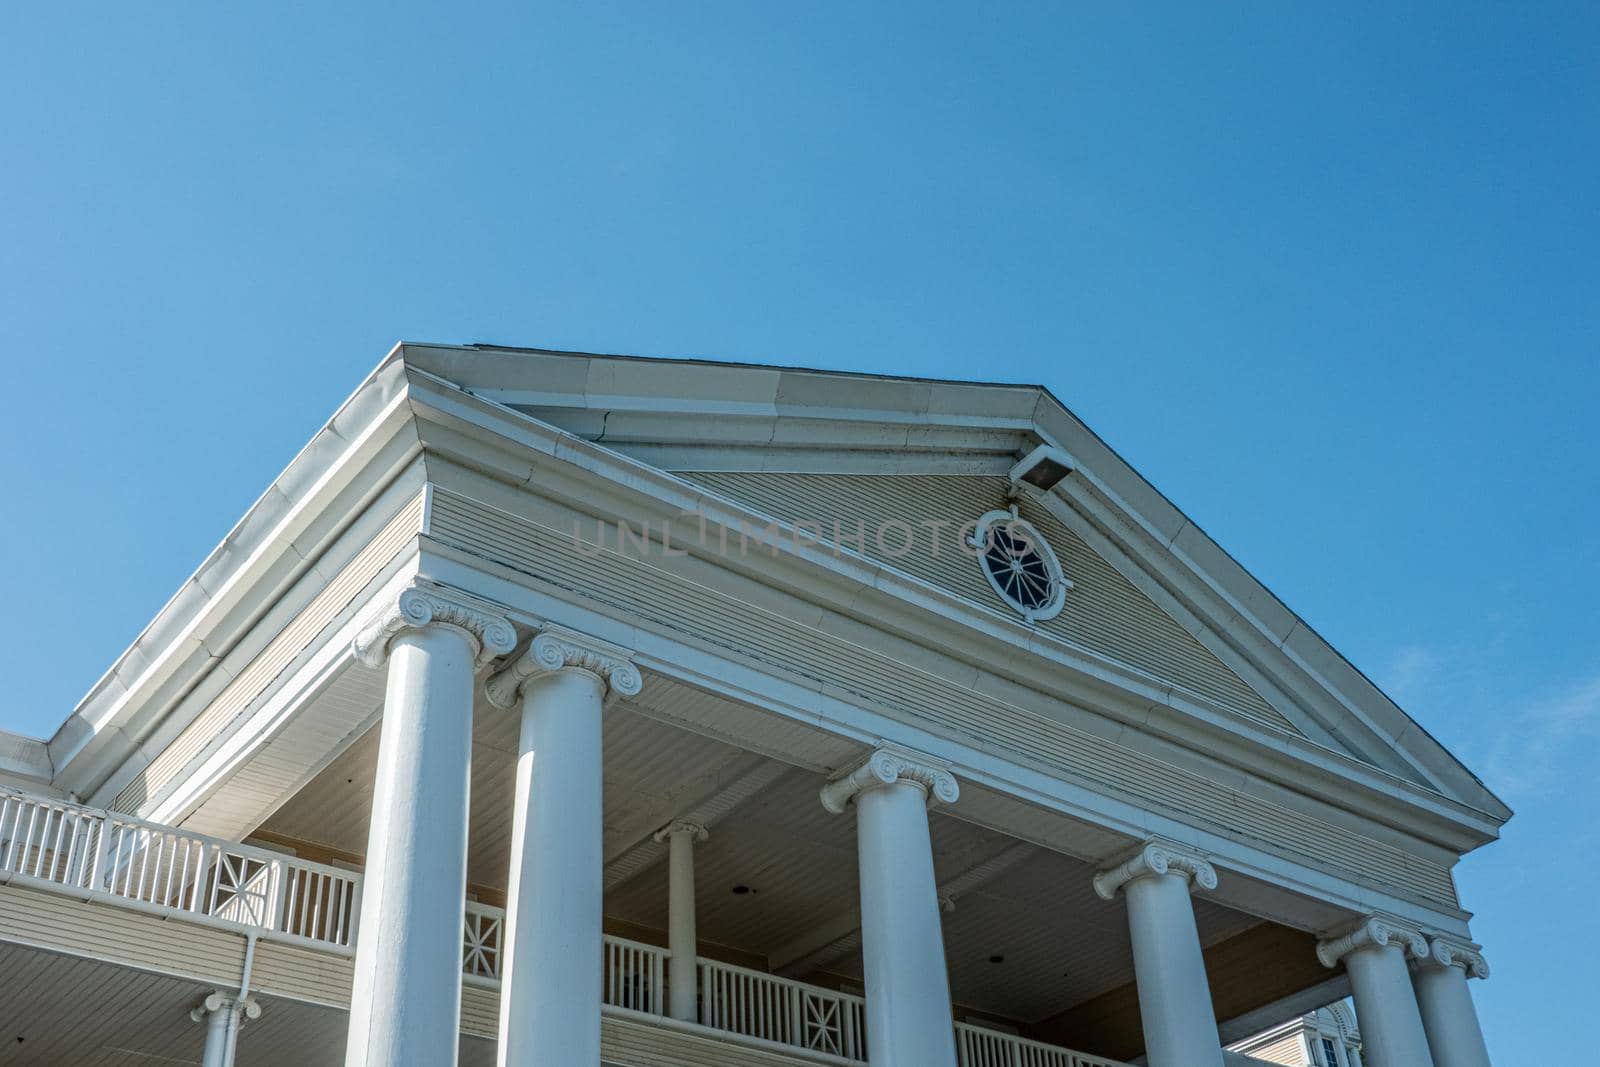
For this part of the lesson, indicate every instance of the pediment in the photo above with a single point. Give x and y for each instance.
(1152, 592)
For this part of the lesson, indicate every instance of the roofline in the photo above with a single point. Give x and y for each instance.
(301, 470)
(704, 361)
(1249, 576)
(1176, 520)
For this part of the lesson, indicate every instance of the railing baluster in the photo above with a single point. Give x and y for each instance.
(338, 912)
(197, 880)
(306, 888)
(38, 847)
(6, 805)
(33, 819)
(144, 862)
(155, 869)
(62, 816)
(69, 869)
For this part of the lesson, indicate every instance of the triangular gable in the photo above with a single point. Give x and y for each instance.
(1166, 579)
(1104, 612)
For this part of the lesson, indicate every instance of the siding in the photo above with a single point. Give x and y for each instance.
(120, 935)
(1104, 611)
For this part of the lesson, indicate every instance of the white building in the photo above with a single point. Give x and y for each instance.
(555, 709)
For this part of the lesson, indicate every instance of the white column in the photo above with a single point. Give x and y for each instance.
(552, 964)
(1180, 1026)
(909, 1023)
(1451, 1022)
(223, 1014)
(1374, 955)
(682, 942)
(405, 1002)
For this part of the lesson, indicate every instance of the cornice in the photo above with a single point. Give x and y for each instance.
(887, 765)
(1452, 952)
(421, 606)
(1157, 858)
(1375, 931)
(556, 649)
(360, 450)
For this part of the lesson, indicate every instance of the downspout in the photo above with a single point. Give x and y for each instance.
(240, 1005)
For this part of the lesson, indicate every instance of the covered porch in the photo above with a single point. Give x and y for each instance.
(1040, 967)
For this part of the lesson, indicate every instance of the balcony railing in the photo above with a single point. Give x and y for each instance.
(99, 854)
(979, 1047)
(771, 1008)
(94, 854)
(757, 1005)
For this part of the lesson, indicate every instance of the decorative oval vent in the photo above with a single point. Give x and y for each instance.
(1020, 565)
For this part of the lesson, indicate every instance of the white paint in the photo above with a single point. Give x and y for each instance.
(1448, 1017)
(1386, 1008)
(550, 995)
(405, 1004)
(902, 945)
(682, 941)
(216, 1050)
(1180, 1027)
(223, 1015)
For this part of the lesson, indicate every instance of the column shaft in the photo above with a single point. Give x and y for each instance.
(1386, 1008)
(550, 991)
(1448, 1017)
(216, 1050)
(682, 942)
(406, 998)
(1180, 1027)
(909, 1022)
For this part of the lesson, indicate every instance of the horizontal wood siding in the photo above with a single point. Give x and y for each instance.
(1104, 611)
(119, 935)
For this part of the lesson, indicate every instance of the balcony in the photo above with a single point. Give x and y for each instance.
(94, 855)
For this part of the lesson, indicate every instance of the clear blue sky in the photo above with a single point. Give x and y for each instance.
(1328, 277)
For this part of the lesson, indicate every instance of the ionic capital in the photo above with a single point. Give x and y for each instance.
(247, 1007)
(1156, 858)
(555, 649)
(419, 606)
(1450, 952)
(1375, 931)
(887, 765)
(680, 826)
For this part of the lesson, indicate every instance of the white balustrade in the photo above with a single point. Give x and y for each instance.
(94, 853)
(634, 976)
(977, 1046)
(764, 1006)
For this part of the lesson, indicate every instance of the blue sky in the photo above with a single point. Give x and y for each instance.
(1328, 277)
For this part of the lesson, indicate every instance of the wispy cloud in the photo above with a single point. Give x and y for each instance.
(1412, 671)
(1534, 755)
(1525, 739)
